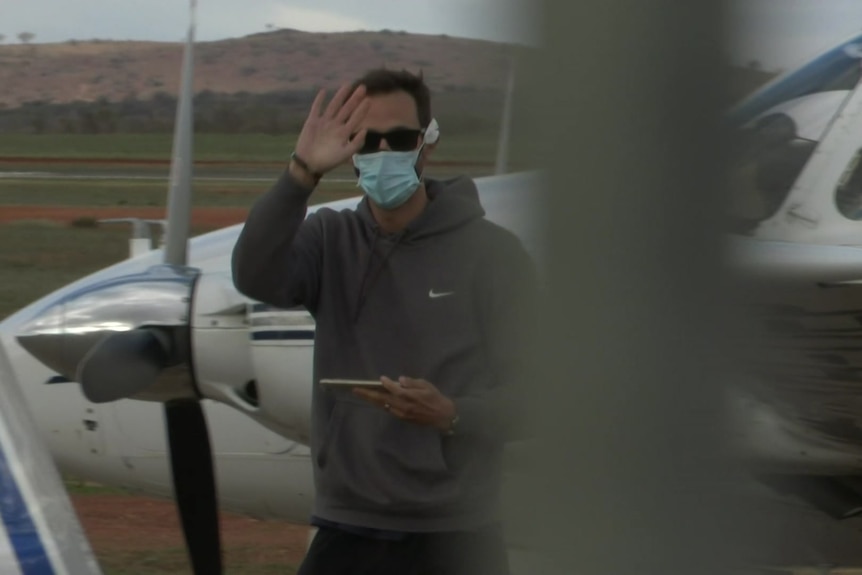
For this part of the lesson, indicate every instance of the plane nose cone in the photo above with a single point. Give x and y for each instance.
(45, 339)
(65, 332)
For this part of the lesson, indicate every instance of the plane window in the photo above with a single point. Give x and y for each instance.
(848, 196)
(778, 170)
(777, 129)
(770, 159)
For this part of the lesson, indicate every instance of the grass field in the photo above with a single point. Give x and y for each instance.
(239, 147)
(38, 257)
(33, 192)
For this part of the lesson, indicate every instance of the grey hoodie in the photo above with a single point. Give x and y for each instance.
(442, 301)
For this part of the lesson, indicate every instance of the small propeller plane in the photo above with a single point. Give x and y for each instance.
(156, 375)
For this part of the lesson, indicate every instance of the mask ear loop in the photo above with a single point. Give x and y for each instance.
(418, 154)
(432, 132)
(429, 136)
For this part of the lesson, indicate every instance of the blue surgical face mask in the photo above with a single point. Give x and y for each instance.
(389, 178)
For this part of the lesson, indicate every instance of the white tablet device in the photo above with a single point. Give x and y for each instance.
(351, 382)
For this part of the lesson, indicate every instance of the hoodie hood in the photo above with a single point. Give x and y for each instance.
(451, 204)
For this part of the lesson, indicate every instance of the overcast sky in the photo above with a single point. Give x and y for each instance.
(783, 33)
(59, 20)
(779, 33)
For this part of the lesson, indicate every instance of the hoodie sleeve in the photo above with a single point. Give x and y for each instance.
(508, 293)
(277, 258)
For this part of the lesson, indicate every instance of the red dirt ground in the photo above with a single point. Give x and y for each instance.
(117, 524)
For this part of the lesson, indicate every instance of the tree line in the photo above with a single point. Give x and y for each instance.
(272, 113)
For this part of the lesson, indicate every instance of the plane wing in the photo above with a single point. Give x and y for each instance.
(39, 531)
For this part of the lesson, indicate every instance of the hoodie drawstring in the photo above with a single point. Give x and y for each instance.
(363, 288)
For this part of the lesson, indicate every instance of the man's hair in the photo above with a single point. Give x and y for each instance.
(383, 81)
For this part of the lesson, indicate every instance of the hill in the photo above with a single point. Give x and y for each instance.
(262, 83)
(278, 61)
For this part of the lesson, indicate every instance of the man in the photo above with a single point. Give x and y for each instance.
(414, 289)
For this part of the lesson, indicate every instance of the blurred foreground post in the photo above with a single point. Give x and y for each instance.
(622, 107)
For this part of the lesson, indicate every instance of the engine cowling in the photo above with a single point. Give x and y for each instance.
(68, 335)
(254, 357)
(217, 344)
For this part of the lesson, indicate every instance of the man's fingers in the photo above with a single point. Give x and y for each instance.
(383, 401)
(317, 104)
(410, 383)
(357, 116)
(371, 395)
(352, 103)
(337, 101)
(358, 141)
(392, 387)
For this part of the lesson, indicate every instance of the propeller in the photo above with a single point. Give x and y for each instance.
(126, 363)
(502, 163)
(140, 355)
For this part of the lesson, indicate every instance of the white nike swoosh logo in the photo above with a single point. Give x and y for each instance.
(434, 295)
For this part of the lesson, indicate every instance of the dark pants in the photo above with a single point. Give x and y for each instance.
(336, 552)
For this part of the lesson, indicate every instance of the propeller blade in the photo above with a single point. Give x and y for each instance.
(502, 163)
(194, 484)
(188, 436)
(123, 364)
(180, 194)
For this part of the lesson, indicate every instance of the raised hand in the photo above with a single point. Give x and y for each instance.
(325, 141)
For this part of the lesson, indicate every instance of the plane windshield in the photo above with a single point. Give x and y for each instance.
(777, 129)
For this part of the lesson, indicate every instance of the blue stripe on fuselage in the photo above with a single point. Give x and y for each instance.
(23, 535)
(265, 307)
(275, 335)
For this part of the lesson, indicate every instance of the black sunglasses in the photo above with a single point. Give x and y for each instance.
(399, 140)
